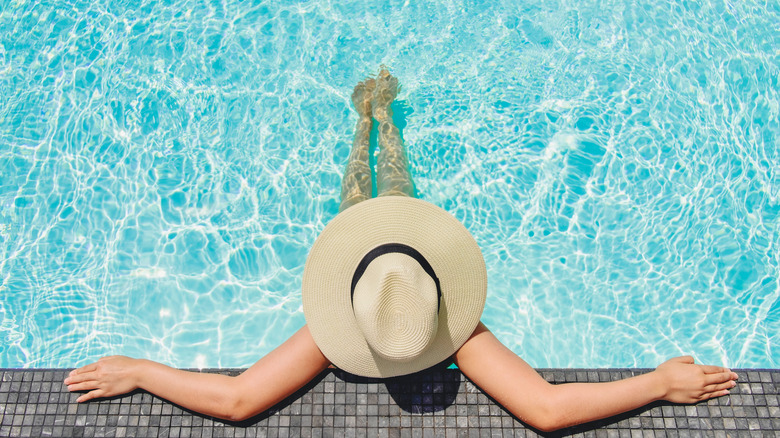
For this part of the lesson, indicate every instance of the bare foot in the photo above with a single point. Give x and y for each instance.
(362, 95)
(385, 92)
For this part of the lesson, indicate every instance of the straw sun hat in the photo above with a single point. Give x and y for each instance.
(392, 286)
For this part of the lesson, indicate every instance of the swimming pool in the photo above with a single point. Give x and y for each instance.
(165, 168)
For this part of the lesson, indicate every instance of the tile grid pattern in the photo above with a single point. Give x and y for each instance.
(436, 403)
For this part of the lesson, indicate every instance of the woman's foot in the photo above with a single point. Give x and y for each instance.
(361, 97)
(384, 93)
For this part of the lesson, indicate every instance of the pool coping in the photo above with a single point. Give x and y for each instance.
(439, 402)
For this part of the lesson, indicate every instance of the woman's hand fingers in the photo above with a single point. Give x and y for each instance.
(712, 369)
(82, 386)
(78, 378)
(90, 395)
(107, 377)
(84, 369)
(687, 382)
(718, 387)
(715, 378)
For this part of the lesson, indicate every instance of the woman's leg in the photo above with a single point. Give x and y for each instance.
(392, 168)
(356, 184)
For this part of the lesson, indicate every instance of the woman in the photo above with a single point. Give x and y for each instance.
(392, 286)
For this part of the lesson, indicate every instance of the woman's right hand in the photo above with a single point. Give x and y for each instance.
(109, 376)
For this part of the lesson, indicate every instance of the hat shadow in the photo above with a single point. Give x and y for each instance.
(430, 390)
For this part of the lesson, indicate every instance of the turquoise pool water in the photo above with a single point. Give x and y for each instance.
(165, 168)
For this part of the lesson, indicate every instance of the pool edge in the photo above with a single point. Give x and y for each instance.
(438, 402)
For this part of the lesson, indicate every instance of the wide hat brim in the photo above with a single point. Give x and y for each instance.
(447, 245)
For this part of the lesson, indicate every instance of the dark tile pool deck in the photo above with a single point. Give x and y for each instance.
(435, 403)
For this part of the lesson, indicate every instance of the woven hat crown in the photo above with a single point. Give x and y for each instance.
(396, 304)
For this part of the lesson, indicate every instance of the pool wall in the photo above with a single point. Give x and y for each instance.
(441, 403)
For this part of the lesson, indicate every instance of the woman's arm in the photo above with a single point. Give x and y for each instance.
(521, 390)
(269, 381)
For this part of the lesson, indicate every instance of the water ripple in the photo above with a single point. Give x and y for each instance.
(165, 169)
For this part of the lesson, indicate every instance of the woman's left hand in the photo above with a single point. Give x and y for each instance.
(685, 382)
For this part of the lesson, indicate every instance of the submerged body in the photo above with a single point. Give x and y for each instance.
(482, 358)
